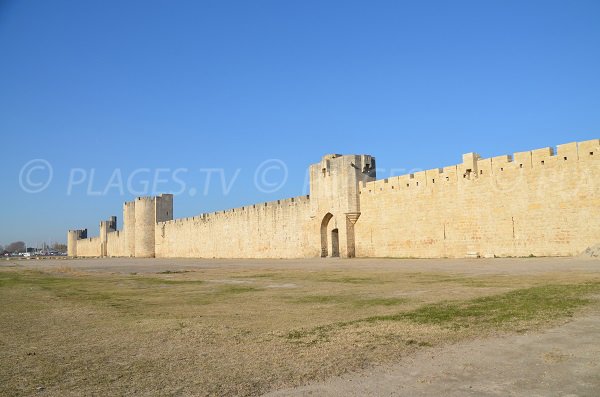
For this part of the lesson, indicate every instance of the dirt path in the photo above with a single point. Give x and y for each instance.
(497, 266)
(562, 361)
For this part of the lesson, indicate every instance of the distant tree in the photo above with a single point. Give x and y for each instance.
(1, 248)
(16, 246)
(59, 247)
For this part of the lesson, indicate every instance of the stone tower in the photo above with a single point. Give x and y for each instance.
(335, 200)
(149, 211)
(72, 237)
(129, 228)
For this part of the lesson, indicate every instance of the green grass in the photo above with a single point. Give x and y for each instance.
(9, 279)
(259, 275)
(316, 276)
(527, 306)
(365, 302)
(227, 290)
(342, 277)
(50, 281)
(320, 299)
(542, 302)
(124, 293)
(468, 281)
(351, 280)
(164, 281)
(350, 300)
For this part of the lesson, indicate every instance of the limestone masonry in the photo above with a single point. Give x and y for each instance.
(538, 203)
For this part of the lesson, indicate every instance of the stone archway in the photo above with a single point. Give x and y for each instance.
(335, 243)
(337, 235)
(324, 235)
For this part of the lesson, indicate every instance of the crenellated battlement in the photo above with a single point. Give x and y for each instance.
(476, 168)
(254, 208)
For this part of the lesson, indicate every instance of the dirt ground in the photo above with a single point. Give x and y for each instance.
(561, 361)
(496, 266)
(300, 327)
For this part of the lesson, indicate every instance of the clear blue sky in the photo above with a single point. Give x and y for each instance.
(222, 84)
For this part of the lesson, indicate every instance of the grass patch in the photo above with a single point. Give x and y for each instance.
(321, 299)
(259, 275)
(9, 279)
(134, 296)
(545, 302)
(235, 289)
(433, 278)
(86, 290)
(315, 276)
(523, 307)
(350, 300)
(165, 281)
(379, 302)
(348, 280)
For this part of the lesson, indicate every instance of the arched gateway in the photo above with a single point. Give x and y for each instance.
(330, 237)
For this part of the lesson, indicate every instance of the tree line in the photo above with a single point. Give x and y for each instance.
(19, 246)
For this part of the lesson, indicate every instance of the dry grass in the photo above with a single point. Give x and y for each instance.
(235, 331)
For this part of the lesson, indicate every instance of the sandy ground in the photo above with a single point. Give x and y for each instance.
(499, 266)
(563, 361)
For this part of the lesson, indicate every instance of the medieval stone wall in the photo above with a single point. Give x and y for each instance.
(278, 229)
(537, 203)
(116, 244)
(89, 247)
(533, 203)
